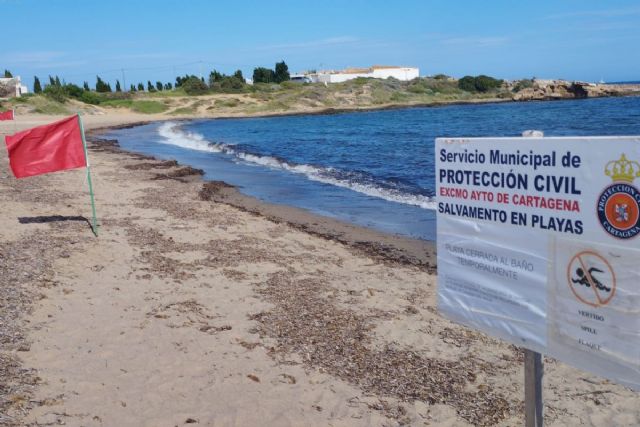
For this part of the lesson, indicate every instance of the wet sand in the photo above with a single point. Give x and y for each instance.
(197, 305)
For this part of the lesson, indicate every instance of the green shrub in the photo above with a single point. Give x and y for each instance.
(118, 103)
(148, 107)
(360, 81)
(89, 97)
(486, 83)
(56, 93)
(479, 83)
(441, 77)
(194, 86)
(231, 102)
(73, 91)
(467, 83)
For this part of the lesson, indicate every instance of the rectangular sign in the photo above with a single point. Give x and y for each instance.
(539, 244)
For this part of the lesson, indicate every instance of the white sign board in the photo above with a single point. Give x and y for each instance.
(539, 244)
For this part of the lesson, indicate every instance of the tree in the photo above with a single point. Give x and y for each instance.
(238, 75)
(140, 87)
(282, 72)
(101, 86)
(85, 86)
(37, 87)
(132, 88)
(467, 83)
(215, 77)
(168, 86)
(180, 80)
(263, 75)
(194, 86)
(118, 87)
(7, 74)
(159, 86)
(479, 83)
(150, 87)
(58, 81)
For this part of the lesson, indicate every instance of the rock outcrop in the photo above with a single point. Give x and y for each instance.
(562, 89)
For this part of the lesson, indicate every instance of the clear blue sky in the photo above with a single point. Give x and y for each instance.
(155, 40)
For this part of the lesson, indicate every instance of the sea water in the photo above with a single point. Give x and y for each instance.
(374, 168)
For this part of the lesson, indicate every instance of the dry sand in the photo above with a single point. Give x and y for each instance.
(198, 306)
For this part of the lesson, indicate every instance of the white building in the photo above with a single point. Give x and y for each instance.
(12, 87)
(376, 72)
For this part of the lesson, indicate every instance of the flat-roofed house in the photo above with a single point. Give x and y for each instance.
(376, 72)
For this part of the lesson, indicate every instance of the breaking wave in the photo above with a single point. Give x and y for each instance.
(360, 182)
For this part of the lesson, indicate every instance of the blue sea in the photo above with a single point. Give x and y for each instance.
(375, 168)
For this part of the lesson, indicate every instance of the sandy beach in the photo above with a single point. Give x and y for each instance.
(197, 305)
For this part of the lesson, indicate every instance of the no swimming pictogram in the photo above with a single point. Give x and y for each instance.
(591, 278)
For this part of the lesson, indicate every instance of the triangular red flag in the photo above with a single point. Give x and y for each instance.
(49, 148)
(6, 115)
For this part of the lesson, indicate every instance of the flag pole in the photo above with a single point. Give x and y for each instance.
(94, 226)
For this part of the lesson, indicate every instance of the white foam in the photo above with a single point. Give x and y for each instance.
(173, 135)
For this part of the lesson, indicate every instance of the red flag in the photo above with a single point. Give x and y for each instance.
(49, 148)
(6, 115)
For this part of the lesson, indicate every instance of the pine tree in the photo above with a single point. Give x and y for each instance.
(159, 86)
(132, 88)
(282, 72)
(37, 87)
(118, 88)
(263, 75)
(52, 81)
(101, 86)
(85, 86)
(57, 82)
(140, 87)
(7, 74)
(150, 87)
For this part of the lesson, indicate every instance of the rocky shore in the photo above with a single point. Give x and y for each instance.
(541, 90)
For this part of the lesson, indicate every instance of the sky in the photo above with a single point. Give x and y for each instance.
(141, 40)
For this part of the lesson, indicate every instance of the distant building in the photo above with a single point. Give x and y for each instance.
(300, 78)
(376, 72)
(12, 87)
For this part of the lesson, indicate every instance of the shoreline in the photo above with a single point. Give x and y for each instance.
(378, 244)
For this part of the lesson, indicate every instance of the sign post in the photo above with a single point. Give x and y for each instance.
(533, 404)
(533, 368)
(538, 244)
